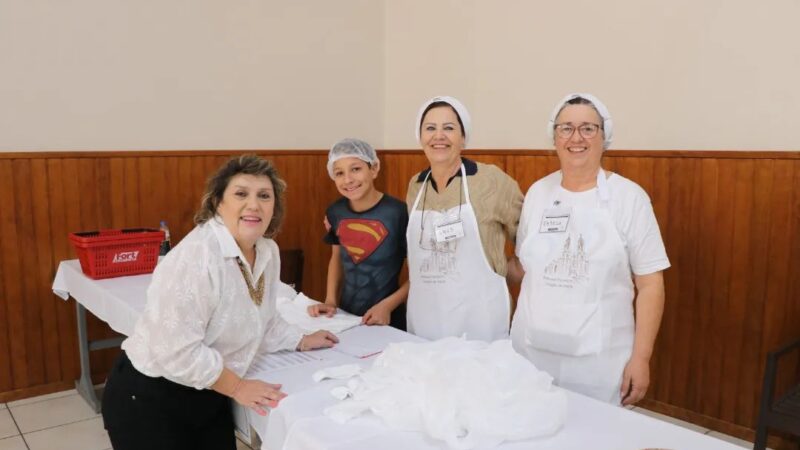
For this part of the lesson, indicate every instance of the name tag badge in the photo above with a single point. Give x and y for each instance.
(449, 231)
(555, 220)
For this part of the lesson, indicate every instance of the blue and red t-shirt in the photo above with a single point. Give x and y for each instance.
(373, 248)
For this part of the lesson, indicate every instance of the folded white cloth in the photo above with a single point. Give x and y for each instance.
(294, 309)
(342, 372)
(466, 393)
(340, 392)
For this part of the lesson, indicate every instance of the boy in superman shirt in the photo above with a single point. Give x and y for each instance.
(367, 235)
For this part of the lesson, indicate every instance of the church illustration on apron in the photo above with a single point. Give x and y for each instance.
(441, 259)
(571, 266)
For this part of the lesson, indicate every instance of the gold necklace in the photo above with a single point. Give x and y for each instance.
(256, 293)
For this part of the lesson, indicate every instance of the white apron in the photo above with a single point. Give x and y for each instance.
(575, 318)
(454, 290)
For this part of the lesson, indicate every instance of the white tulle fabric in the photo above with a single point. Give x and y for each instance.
(466, 393)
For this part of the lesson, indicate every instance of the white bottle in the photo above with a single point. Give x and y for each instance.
(165, 244)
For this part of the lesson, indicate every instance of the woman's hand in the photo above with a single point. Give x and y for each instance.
(649, 309)
(324, 309)
(515, 272)
(255, 394)
(379, 314)
(317, 339)
(635, 380)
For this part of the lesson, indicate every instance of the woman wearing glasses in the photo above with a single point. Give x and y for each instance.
(587, 237)
(461, 212)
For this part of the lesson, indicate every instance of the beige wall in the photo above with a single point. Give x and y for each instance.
(189, 74)
(195, 74)
(680, 74)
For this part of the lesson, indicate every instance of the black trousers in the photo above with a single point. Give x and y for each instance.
(146, 413)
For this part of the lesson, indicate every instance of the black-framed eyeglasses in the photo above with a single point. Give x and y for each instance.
(586, 130)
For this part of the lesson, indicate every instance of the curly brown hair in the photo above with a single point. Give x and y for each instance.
(247, 165)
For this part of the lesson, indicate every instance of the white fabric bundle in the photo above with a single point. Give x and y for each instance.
(336, 373)
(466, 393)
(295, 311)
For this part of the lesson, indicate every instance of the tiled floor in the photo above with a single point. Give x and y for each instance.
(64, 421)
(60, 421)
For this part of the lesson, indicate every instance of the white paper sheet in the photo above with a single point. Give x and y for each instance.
(285, 359)
(360, 342)
(295, 311)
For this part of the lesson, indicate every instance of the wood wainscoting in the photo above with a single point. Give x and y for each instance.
(730, 221)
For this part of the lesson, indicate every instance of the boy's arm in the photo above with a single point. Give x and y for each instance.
(334, 281)
(334, 277)
(397, 298)
(380, 313)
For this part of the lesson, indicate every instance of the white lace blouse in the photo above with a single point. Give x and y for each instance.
(199, 316)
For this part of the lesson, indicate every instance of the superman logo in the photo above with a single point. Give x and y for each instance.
(360, 237)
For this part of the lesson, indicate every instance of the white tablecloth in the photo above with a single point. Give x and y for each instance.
(116, 301)
(298, 423)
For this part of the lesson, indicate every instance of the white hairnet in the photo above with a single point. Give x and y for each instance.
(608, 125)
(351, 148)
(460, 109)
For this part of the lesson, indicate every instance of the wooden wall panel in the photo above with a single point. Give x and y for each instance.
(730, 221)
(722, 274)
(397, 170)
(679, 236)
(7, 267)
(705, 351)
(31, 323)
(43, 269)
(761, 192)
(12, 274)
(188, 199)
(130, 211)
(309, 191)
(787, 314)
(737, 292)
(59, 248)
(527, 169)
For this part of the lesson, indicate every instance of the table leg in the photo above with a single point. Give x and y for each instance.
(84, 384)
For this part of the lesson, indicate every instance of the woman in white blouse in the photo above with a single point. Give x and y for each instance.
(210, 310)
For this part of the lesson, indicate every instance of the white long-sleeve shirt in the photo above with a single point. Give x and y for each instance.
(199, 316)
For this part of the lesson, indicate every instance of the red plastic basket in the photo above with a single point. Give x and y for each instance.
(116, 253)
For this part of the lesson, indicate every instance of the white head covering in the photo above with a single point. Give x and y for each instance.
(608, 125)
(351, 148)
(460, 109)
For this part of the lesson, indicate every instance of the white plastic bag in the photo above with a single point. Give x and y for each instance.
(466, 393)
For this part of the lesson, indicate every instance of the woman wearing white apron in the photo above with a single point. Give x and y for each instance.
(461, 212)
(586, 237)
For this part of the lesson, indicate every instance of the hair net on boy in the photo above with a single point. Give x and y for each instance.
(351, 148)
(608, 124)
(459, 108)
